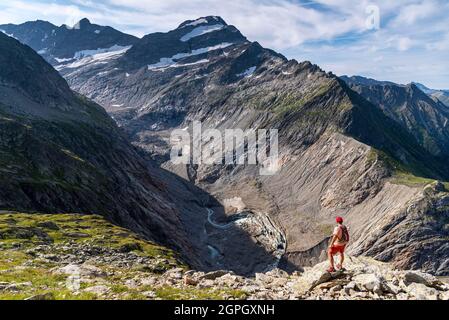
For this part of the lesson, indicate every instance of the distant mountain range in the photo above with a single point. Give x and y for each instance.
(65, 43)
(356, 147)
(425, 118)
(442, 95)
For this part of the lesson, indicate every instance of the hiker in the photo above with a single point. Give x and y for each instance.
(340, 239)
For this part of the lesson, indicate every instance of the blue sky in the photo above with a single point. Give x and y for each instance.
(411, 42)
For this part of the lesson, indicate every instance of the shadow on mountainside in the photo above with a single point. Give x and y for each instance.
(216, 241)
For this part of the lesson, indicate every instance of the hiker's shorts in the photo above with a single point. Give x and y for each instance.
(337, 249)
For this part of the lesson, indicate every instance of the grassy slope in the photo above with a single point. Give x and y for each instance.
(21, 234)
(401, 174)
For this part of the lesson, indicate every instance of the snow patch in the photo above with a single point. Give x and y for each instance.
(197, 77)
(97, 31)
(178, 65)
(61, 60)
(8, 34)
(88, 53)
(166, 62)
(196, 22)
(101, 56)
(201, 30)
(248, 72)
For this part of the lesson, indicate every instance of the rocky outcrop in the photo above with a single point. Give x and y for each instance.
(365, 278)
(306, 258)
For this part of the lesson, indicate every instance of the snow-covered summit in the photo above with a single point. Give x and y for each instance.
(209, 20)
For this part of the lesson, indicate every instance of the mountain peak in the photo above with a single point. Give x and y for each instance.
(203, 21)
(422, 87)
(82, 23)
(360, 80)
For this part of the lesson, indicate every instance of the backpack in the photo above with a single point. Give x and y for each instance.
(344, 234)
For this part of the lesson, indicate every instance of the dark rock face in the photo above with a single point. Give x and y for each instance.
(64, 42)
(306, 258)
(426, 119)
(189, 37)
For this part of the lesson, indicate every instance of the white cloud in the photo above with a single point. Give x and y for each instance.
(331, 33)
(410, 14)
(277, 23)
(404, 43)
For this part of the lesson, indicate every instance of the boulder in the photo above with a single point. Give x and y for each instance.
(189, 281)
(423, 278)
(5, 286)
(278, 273)
(326, 277)
(44, 296)
(48, 225)
(206, 283)
(229, 280)
(444, 295)
(175, 274)
(352, 286)
(422, 292)
(214, 275)
(263, 278)
(83, 270)
(279, 282)
(370, 282)
(100, 290)
(149, 294)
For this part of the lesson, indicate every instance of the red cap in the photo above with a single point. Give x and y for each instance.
(339, 219)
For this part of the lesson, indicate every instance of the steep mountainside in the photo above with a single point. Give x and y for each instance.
(64, 43)
(426, 119)
(339, 153)
(60, 152)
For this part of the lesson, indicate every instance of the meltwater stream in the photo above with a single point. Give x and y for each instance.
(231, 244)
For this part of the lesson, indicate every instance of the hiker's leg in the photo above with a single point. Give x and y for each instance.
(331, 257)
(342, 258)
